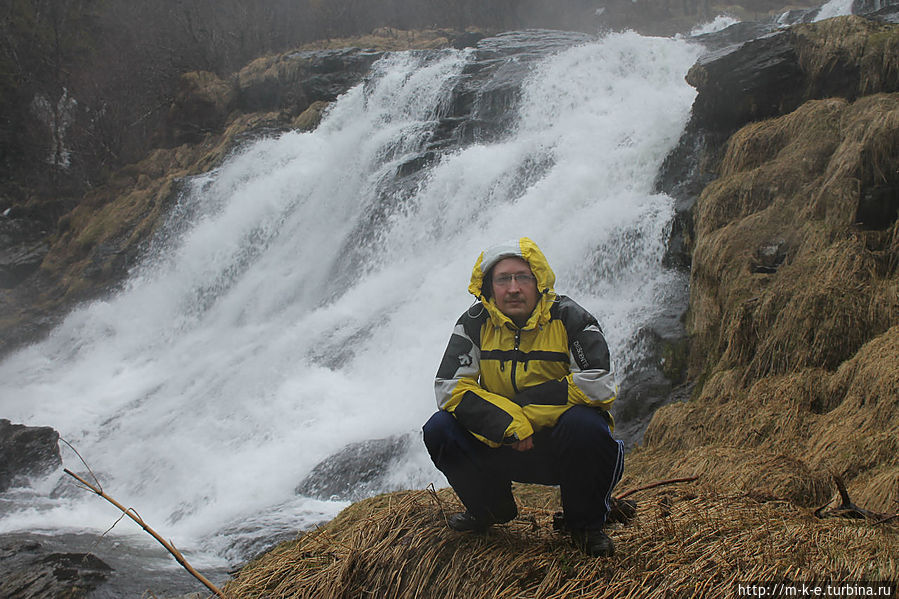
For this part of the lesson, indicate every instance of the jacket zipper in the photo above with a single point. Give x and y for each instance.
(515, 358)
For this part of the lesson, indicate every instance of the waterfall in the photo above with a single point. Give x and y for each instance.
(300, 296)
(834, 8)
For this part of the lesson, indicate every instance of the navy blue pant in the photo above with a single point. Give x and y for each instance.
(578, 454)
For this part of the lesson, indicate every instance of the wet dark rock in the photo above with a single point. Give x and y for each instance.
(737, 82)
(29, 571)
(23, 246)
(26, 451)
(768, 258)
(799, 15)
(466, 39)
(484, 98)
(754, 81)
(887, 15)
(882, 10)
(878, 207)
(652, 380)
(93, 566)
(356, 471)
(295, 81)
(736, 34)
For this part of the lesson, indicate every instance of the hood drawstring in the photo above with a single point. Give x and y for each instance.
(477, 301)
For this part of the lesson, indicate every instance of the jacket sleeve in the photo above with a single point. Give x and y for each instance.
(591, 380)
(491, 418)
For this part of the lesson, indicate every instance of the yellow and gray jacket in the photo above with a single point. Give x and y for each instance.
(502, 382)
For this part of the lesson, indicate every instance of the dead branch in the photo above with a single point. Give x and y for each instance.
(660, 483)
(847, 509)
(134, 516)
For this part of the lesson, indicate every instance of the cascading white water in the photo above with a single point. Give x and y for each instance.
(834, 8)
(293, 305)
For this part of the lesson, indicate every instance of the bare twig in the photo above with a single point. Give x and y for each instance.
(94, 476)
(847, 509)
(134, 516)
(660, 483)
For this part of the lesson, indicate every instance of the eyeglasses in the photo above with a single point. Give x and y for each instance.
(506, 280)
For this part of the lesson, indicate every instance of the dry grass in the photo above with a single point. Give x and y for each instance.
(798, 189)
(687, 541)
(391, 39)
(829, 48)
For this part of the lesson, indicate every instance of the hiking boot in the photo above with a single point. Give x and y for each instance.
(593, 541)
(465, 522)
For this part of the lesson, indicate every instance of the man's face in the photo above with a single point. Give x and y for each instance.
(515, 297)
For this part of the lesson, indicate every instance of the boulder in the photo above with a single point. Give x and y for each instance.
(29, 571)
(356, 471)
(752, 81)
(26, 451)
(23, 245)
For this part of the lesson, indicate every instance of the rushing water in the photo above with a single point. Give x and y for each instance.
(299, 299)
(834, 8)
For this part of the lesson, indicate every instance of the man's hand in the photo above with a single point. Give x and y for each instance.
(524, 444)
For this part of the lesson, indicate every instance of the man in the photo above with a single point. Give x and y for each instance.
(524, 390)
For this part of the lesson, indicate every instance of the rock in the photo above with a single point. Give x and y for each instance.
(889, 14)
(294, 81)
(310, 118)
(491, 85)
(772, 75)
(736, 34)
(768, 257)
(23, 246)
(753, 81)
(95, 566)
(28, 571)
(356, 471)
(884, 10)
(467, 39)
(654, 379)
(26, 451)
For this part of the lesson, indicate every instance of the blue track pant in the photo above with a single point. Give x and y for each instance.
(578, 454)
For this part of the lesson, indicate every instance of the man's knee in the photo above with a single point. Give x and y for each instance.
(587, 420)
(581, 427)
(438, 430)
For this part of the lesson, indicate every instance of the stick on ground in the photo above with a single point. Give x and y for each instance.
(134, 516)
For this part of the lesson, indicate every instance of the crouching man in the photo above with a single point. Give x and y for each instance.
(524, 391)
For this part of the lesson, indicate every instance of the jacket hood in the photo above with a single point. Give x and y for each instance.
(527, 250)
